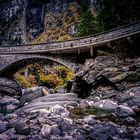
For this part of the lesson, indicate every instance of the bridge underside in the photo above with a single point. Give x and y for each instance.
(10, 64)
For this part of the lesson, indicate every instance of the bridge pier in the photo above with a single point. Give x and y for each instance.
(109, 45)
(79, 51)
(91, 52)
(130, 40)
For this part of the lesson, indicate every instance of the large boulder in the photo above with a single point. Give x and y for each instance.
(45, 102)
(33, 93)
(9, 87)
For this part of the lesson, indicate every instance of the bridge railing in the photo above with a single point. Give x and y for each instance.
(109, 35)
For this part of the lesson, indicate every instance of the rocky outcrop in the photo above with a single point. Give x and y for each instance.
(9, 87)
(108, 71)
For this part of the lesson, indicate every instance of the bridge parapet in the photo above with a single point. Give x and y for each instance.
(93, 40)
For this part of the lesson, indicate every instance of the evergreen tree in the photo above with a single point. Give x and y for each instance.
(88, 25)
(118, 12)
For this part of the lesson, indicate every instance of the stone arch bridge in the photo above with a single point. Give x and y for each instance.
(68, 53)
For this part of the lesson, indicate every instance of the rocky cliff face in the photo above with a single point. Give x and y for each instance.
(26, 21)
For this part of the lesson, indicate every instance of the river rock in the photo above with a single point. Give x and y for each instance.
(59, 110)
(103, 132)
(22, 128)
(130, 121)
(107, 105)
(3, 126)
(84, 103)
(33, 93)
(124, 111)
(45, 131)
(137, 133)
(56, 131)
(8, 104)
(90, 120)
(9, 87)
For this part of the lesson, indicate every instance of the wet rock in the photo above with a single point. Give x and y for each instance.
(107, 105)
(33, 93)
(9, 87)
(123, 111)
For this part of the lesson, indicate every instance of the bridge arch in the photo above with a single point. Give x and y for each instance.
(11, 66)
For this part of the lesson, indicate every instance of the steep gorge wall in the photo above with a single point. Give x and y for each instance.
(26, 21)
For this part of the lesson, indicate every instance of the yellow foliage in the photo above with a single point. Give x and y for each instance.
(57, 76)
(50, 79)
(25, 82)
